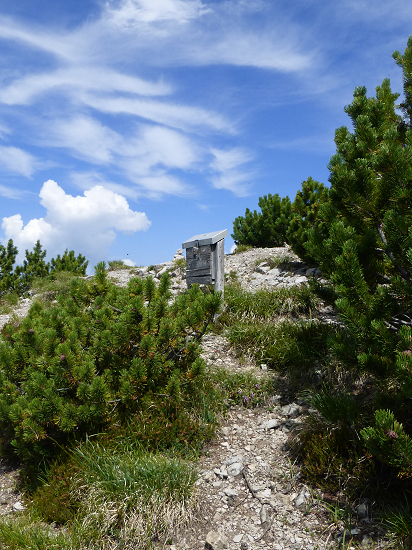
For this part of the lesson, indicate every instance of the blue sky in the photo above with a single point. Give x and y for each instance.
(128, 126)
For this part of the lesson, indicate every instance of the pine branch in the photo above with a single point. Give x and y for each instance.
(403, 273)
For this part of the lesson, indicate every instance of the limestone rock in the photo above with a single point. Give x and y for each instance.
(216, 541)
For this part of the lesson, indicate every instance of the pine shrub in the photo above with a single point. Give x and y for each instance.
(99, 356)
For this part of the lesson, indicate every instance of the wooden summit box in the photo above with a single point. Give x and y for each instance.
(205, 259)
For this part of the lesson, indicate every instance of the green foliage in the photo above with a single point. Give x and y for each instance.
(8, 301)
(306, 214)
(333, 462)
(267, 304)
(97, 357)
(265, 228)
(33, 266)
(47, 289)
(340, 410)
(366, 253)
(388, 441)
(243, 389)
(130, 472)
(69, 262)
(242, 248)
(8, 256)
(55, 500)
(399, 521)
(21, 278)
(25, 533)
(296, 346)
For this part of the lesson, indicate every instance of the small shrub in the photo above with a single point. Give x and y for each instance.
(336, 409)
(26, 533)
(8, 301)
(54, 500)
(242, 248)
(96, 358)
(267, 227)
(117, 264)
(334, 462)
(243, 389)
(180, 263)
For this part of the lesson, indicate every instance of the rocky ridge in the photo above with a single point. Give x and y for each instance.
(250, 495)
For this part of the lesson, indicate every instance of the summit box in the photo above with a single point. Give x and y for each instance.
(205, 259)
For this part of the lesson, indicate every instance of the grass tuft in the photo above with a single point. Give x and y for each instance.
(131, 496)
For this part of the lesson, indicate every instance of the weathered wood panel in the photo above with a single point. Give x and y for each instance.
(205, 280)
(198, 272)
(201, 253)
(198, 264)
(218, 272)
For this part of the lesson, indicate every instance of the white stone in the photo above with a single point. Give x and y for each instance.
(264, 494)
(264, 513)
(216, 541)
(270, 424)
(235, 469)
(233, 459)
(237, 538)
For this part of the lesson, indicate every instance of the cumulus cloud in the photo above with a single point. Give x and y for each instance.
(130, 263)
(86, 224)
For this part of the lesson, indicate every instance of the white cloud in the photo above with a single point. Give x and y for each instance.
(4, 130)
(314, 144)
(144, 158)
(39, 38)
(159, 145)
(228, 173)
(134, 12)
(157, 183)
(245, 48)
(87, 137)
(72, 80)
(85, 224)
(87, 180)
(17, 161)
(183, 117)
(375, 9)
(130, 263)
(10, 192)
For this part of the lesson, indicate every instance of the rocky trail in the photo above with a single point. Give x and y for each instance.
(250, 494)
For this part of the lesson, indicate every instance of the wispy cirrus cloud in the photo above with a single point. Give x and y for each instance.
(17, 161)
(184, 117)
(116, 67)
(72, 80)
(229, 171)
(10, 192)
(134, 12)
